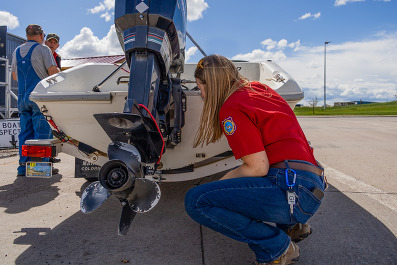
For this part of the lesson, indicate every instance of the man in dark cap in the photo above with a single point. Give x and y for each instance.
(32, 55)
(52, 41)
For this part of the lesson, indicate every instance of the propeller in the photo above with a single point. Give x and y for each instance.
(122, 176)
(144, 197)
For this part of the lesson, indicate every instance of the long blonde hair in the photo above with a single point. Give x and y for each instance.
(222, 79)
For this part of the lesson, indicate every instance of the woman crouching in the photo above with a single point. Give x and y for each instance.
(279, 180)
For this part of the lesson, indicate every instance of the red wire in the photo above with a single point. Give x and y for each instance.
(162, 148)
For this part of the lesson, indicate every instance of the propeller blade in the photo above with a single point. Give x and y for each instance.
(93, 197)
(144, 196)
(127, 215)
(126, 153)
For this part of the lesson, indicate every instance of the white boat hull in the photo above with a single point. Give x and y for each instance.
(71, 103)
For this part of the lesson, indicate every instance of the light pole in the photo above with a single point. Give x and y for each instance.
(325, 73)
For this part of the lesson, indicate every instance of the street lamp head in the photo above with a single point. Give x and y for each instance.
(327, 42)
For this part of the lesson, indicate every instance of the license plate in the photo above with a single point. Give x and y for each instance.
(39, 169)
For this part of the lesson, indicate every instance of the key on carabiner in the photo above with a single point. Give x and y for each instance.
(291, 198)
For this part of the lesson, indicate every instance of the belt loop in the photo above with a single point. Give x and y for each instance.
(324, 178)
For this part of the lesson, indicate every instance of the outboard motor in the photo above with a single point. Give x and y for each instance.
(152, 34)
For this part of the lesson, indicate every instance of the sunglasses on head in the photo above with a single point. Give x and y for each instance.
(200, 64)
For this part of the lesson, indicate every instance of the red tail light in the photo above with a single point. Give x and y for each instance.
(37, 151)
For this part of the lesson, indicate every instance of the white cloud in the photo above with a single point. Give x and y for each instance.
(282, 44)
(104, 8)
(350, 75)
(295, 45)
(100, 8)
(355, 70)
(344, 2)
(195, 9)
(107, 16)
(310, 15)
(270, 44)
(8, 20)
(307, 15)
(105, 5)
(109, 4)
(259, 55)
(86, 44)
(190, 52)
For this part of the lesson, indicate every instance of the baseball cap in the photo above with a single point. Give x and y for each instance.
(52, 36)
(34, 29)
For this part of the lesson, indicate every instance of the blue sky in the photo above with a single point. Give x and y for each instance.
(361, 58)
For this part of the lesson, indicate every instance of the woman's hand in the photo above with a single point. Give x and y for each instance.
(254, 165)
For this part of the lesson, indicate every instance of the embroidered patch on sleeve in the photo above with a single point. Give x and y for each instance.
(229, 126)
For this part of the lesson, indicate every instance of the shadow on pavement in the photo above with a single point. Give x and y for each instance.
(165, 235)
(344, 233)
(18, 191)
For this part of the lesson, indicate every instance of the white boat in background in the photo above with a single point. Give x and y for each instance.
(69, 100)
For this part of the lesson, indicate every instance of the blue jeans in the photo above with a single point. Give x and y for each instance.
(238, 208)
(33, 126)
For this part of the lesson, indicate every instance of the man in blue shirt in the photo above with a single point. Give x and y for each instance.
(31, 62)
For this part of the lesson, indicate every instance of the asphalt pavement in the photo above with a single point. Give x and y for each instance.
(41, 222)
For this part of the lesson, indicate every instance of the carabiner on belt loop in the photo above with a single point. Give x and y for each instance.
(287, 171)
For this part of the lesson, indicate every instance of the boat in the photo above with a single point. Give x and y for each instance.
(138, 120)
(70, 101)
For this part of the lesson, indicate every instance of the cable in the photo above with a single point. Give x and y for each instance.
(162, 148)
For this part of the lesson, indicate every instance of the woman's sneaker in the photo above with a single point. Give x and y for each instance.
(291, 255)
(299, 232)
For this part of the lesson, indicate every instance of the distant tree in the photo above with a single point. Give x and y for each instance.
(313, 102)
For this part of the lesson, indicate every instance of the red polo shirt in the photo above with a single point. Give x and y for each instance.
(259, 120)
(57, 59)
